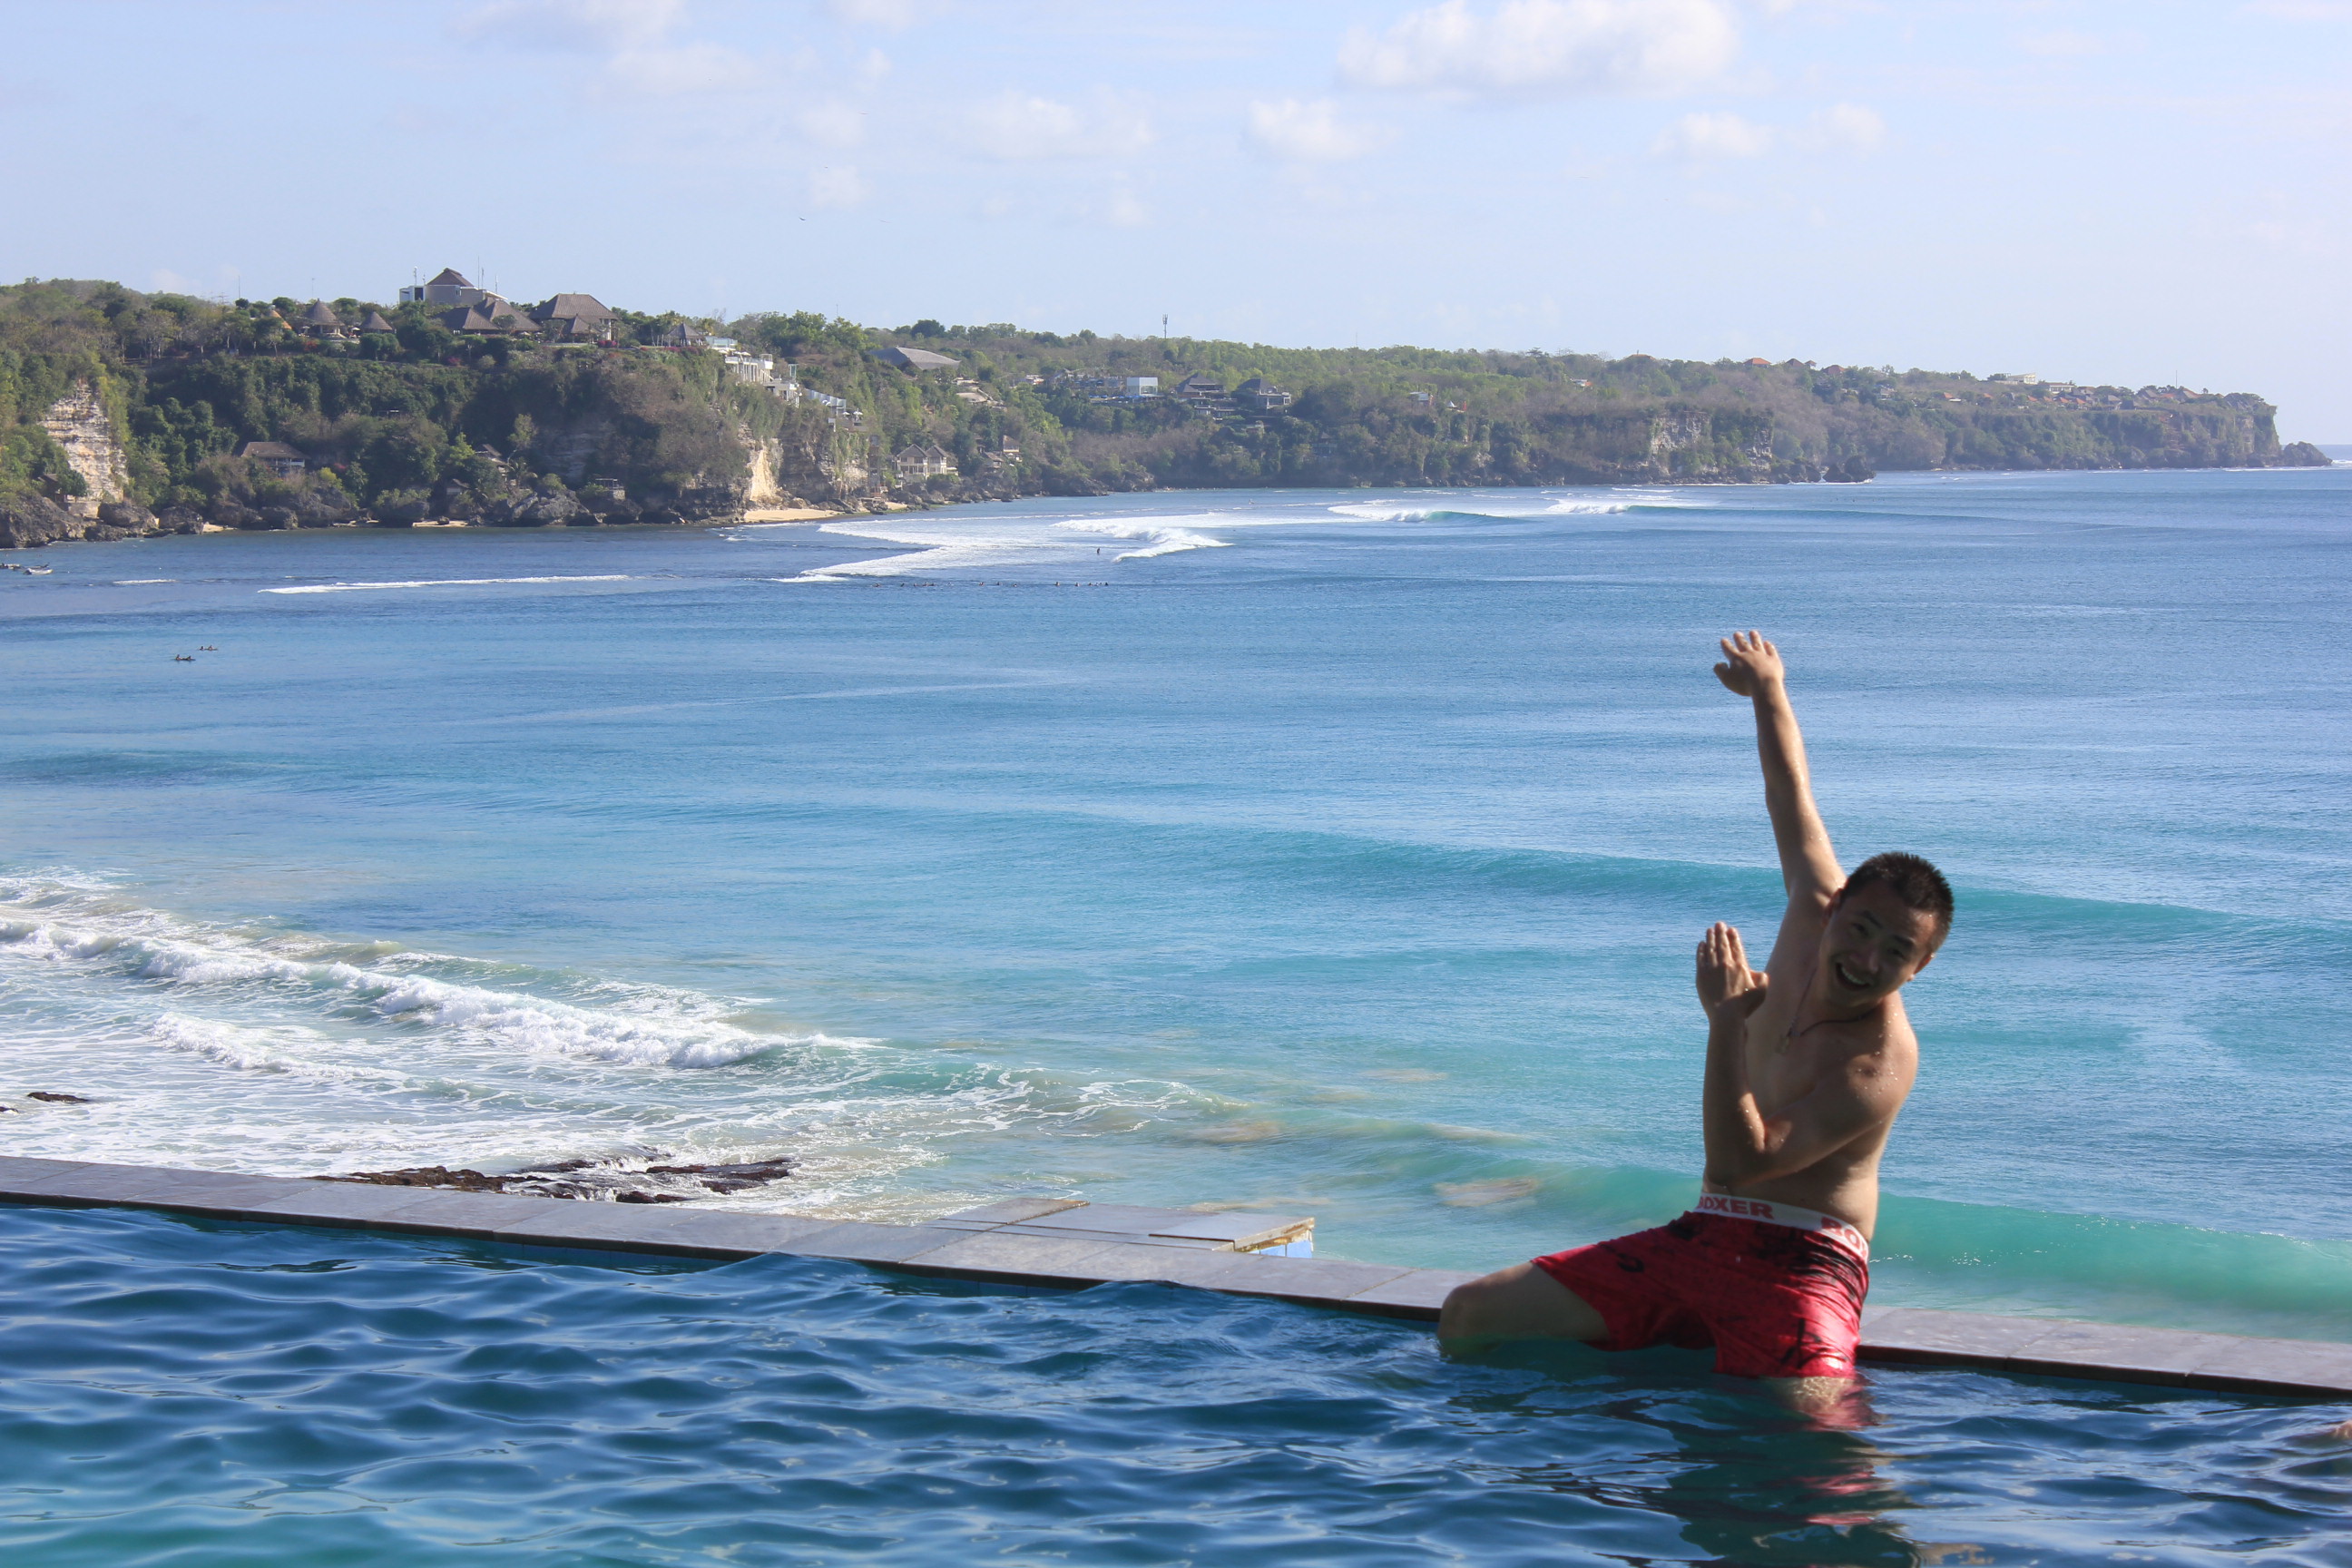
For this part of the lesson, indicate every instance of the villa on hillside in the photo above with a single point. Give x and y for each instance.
(1102, 388)
(1260, 396)
(575, 319)
(487, 315)
(277, 457)
(461, 307)
(1206, 395)
(924, 460)
(915, 359)
(320, 322)
(753, 368)
(449, 287)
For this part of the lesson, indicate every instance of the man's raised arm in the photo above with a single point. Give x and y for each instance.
(1808, 867)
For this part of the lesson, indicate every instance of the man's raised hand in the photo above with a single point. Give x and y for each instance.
(1724, 978)
(1749, 663)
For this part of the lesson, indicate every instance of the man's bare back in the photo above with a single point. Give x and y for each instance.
(1808, 1062)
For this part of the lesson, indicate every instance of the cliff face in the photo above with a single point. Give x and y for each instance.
(85, 432)
(28, 521)
(2189, 438)
(81, 428)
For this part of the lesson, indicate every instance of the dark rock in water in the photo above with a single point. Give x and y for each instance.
(1852, 472)
(592, 1180)
(738, 1178)
(535, 511)
(427, 1176)
(322, 509)
(132, 519)
(28, 521)
(61, 1099)
(2304, 455)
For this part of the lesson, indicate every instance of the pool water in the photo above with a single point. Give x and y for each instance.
(197, 1394)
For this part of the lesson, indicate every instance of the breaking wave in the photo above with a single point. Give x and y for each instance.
(441, 582)
(988, 544)
(252, 1047)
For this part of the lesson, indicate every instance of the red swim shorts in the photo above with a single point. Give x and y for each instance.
(1776, 1297)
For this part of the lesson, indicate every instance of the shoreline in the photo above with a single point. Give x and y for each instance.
(132, 521)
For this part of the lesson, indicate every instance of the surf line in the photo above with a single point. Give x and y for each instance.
(442, 583)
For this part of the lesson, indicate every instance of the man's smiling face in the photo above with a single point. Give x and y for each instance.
(1874, 943)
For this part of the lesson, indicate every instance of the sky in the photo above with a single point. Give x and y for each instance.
(2112, 191)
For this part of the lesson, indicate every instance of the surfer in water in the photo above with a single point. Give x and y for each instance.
(1807, 1065)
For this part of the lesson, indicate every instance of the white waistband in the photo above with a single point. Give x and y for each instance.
(1829, 1227)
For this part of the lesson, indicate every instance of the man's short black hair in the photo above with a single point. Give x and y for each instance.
(1912, 880)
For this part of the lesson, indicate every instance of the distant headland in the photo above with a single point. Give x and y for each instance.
(125, 414)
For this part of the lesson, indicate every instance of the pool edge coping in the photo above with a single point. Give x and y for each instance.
(1005, 1251)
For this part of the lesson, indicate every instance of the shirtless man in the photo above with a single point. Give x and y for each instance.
(1807, 1065)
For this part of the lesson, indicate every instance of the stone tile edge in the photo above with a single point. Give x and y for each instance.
(2321, 1381)
(605, 1236)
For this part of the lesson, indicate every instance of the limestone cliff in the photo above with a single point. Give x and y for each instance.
(80, 425)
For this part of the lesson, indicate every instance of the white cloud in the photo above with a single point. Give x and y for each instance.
(1698, 138)
(590, 27)
(633, 37)
(1703, 136)
(831, 122)
(1310, 132)
(2061, 43)
(671, 70)
(894, 14)
(1847, 126)
(1554, 48)
(838, 186)
(1018, 125)
(1127, 210)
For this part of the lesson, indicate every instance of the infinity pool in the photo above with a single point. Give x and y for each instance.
(194, 1393)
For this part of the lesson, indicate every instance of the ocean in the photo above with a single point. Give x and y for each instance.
(1329, 852)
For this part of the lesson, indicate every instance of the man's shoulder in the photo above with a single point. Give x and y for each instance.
(1895, 1024)
(1881, 1044)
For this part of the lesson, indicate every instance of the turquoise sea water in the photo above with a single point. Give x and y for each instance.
(1338, 852)
(207, 1397)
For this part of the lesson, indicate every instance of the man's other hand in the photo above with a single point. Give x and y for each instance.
(1749, 663)
(1724, 978)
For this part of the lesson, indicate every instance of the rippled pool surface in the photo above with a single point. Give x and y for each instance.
(192, 1393)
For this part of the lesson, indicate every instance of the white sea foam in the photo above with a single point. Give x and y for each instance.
(1506, 508)
(251, 1047)
(441, 582)
(633, 1025)
(985, 543)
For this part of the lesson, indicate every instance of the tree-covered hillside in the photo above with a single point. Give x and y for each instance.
(388, 416)
(1425, 416)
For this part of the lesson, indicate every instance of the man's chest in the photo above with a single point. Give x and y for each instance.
(1785, 1059)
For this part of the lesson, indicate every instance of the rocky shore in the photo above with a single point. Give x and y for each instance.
(597, 1180)
(28, 523)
